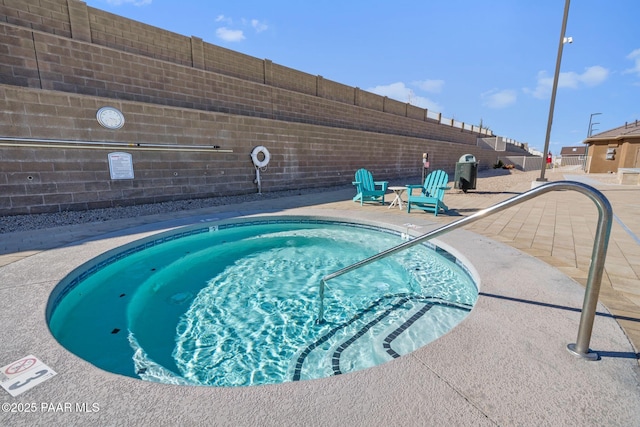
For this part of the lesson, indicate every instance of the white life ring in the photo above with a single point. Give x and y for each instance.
(254, 156)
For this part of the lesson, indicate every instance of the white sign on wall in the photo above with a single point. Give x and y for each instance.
(121, 166)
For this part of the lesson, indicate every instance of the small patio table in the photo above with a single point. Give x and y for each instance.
(397, 201)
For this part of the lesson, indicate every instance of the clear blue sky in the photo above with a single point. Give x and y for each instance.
(492, 61)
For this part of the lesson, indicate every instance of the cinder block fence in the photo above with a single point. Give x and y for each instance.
(62, 61)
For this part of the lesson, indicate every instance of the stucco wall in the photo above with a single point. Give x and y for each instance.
(626, 155)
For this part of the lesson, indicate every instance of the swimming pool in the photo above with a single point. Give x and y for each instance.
(235, 303)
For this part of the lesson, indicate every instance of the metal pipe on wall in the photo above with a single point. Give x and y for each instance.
(106, 145)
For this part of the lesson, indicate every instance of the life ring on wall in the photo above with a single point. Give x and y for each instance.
(254, 156)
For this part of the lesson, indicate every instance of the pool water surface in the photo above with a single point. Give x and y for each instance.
(236, 304)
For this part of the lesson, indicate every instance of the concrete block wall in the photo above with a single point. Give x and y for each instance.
(369, 100)
(135, 37)
(394, 107)
(416, 113)
(141, 40)
(50, 16)
(336, 92)
(60, 61)
(43, 177)
(78, 67)
(287, 78)
(18, 65)
(224, 61)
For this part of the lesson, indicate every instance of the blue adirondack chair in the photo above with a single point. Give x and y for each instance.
(367, 189)
(431, 195)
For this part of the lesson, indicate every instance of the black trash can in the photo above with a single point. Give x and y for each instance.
(466, 173)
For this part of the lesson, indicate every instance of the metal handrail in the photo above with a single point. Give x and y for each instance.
(601, 241)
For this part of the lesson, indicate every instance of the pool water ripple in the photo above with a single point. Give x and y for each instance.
(237, 307)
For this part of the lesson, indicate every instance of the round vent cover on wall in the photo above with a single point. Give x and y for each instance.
(110, 117)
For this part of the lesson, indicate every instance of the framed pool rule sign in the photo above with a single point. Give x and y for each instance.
(121, 166)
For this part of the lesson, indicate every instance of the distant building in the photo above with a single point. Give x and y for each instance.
(573, 156)
(613, 149)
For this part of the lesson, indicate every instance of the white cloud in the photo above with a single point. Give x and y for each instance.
(431, 86)
(634, 56)
(228, 35)
(592, 76)
(495, 98)
(400, 92)
(133, 2)
(222, 18)
(259, 26)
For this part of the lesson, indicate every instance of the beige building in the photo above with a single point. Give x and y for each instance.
(572, 156)
(615, 149)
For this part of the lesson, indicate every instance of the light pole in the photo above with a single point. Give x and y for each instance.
(589, 133)
(555, 87)
(590, 130)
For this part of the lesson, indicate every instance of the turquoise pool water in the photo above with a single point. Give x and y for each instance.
(236, 304)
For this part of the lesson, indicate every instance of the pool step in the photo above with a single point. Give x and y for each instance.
(367, 333)
(388, 337)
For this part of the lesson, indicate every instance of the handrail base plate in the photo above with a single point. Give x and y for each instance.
(590, 355)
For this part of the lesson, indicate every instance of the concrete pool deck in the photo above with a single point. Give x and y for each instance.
(506, 364)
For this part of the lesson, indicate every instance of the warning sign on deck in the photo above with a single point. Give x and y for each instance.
(22, 375)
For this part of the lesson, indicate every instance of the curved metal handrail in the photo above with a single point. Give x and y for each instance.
(601, 241)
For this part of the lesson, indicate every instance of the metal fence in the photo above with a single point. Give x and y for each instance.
(496, 143)
(523, 163)
(530, 163)
(573, 161)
